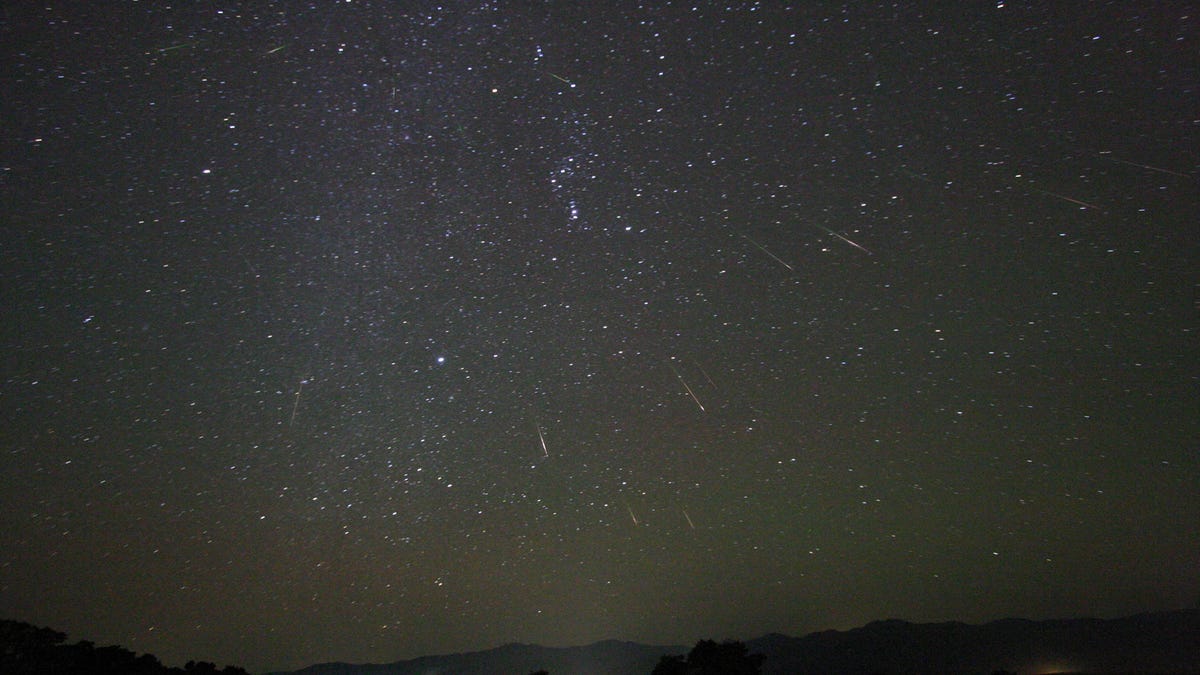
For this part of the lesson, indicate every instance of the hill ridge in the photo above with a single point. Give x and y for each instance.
(1147, 642)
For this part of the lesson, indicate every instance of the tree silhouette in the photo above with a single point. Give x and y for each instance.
(671, 665)
(710, 658)
(29, 650)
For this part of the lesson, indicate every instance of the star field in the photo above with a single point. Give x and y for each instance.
(365, 330)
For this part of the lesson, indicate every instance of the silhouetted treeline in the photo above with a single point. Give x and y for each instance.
(710, 658)
(29, 650)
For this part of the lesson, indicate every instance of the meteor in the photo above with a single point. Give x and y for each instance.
(1068, 199)
(172, 48)
(296, 404)
(542, 440)
(855, 245)
(561, 79)
(771, 255)
(1159, 169)
(685, 386)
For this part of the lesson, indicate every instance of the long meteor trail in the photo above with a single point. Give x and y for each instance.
(1068, 199)
(542, 440)
(296, 404)
(172, 48)
(855, 245)
(685, 386)
(771, 255)
(1108, 155)
(560, 78)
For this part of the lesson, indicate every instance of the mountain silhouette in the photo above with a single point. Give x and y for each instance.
(610, 657)
(1158, 642)
(1161, 642)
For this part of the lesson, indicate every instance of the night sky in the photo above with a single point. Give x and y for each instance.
(366, 330)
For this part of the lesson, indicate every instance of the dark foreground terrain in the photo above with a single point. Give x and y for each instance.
(1160, 642)
(26, 649)
(1153, 643)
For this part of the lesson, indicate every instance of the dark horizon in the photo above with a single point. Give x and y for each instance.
(1153, 642)
(363, 330)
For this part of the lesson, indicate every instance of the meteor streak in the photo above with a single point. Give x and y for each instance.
(689, 519)
(705, 374)
(771, 255)
(855, 245)
(172, 48)
(296, 404)
(1068, 199)
(1147, 167)
(542, 440)
(685, 386)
